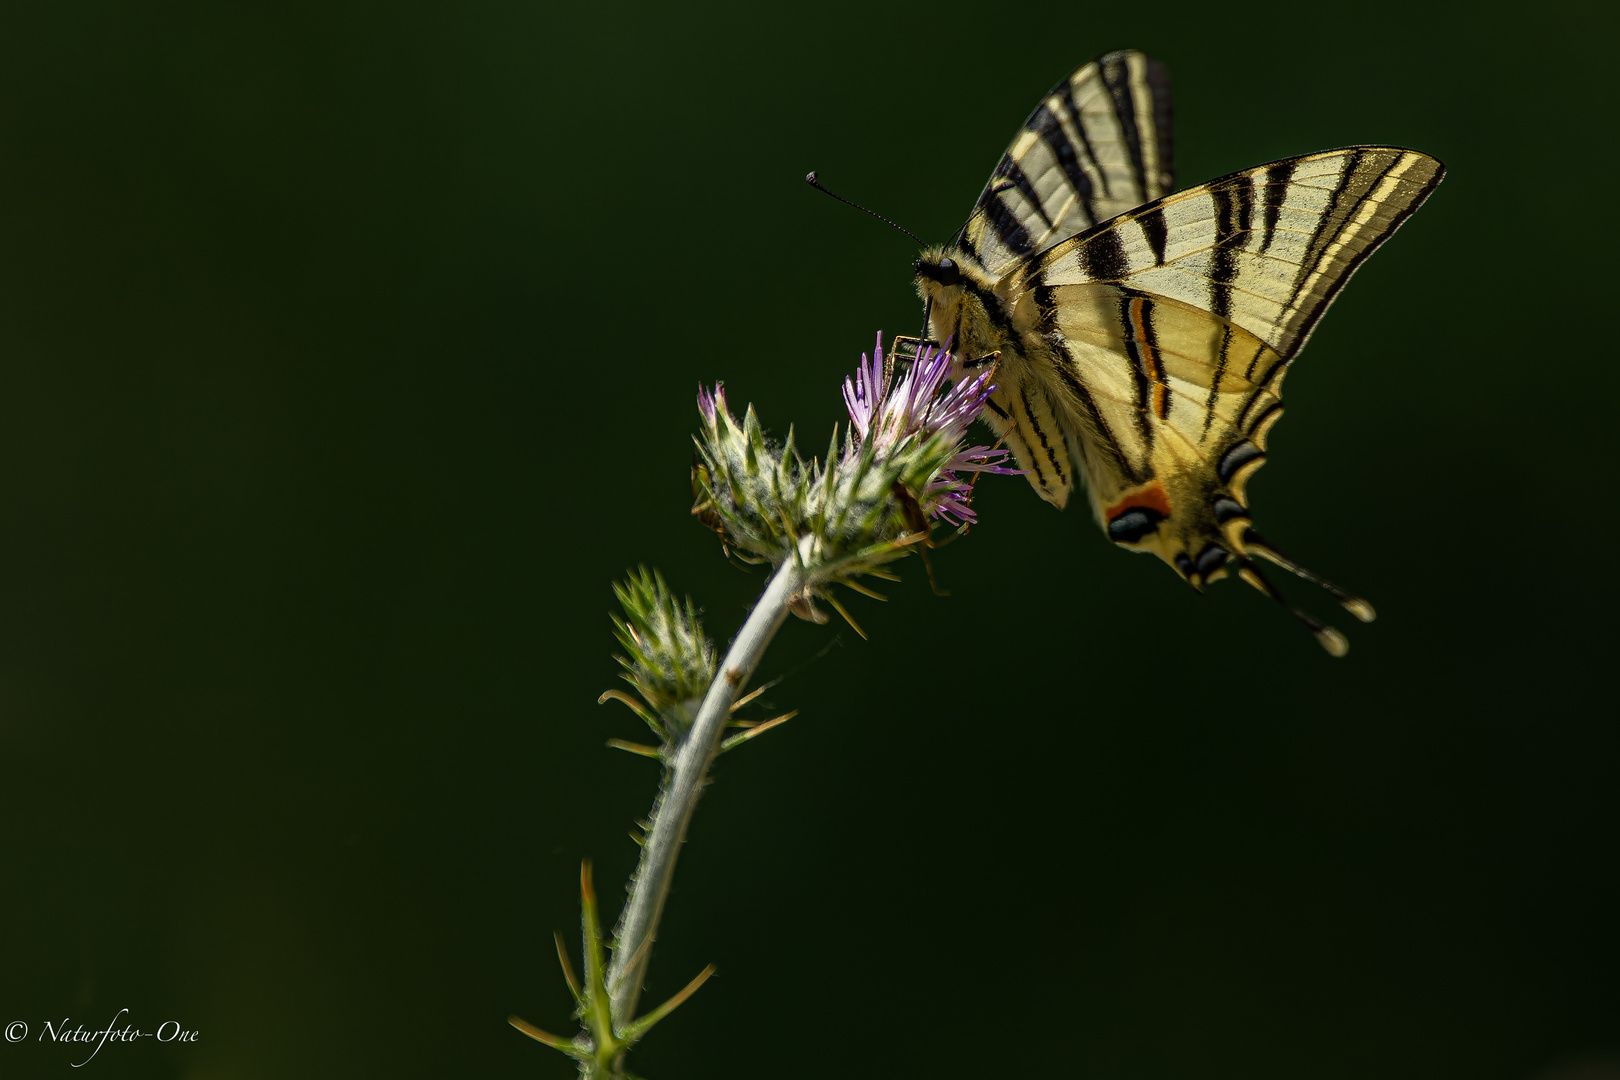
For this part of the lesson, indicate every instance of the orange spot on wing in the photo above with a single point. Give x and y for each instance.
(1152, 497)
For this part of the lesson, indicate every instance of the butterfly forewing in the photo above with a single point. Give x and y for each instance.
(1096, 146)
(1266, 249)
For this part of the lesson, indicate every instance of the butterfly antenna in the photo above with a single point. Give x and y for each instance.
(1355, 605)
(1330, 639)
(813, 182)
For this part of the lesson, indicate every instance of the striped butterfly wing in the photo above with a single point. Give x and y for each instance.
(1247, 264)
(1165, 334)
(1096, 146)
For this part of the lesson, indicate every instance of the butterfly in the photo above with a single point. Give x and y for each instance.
(1140, 338)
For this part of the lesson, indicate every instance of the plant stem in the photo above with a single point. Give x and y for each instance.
(683, 783)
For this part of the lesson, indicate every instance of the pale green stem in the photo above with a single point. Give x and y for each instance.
(683, 783)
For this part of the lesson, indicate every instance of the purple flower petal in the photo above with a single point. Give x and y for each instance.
(920, 406)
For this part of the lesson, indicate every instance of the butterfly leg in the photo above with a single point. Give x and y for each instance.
(909, 348)
(917, 522)
(972, 485)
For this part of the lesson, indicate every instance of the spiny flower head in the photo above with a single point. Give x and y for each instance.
(667, 657)
(899, 465)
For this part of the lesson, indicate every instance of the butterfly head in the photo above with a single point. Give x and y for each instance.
(943, 273)
(955, 288)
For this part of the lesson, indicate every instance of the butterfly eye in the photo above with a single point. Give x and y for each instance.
(948, 273)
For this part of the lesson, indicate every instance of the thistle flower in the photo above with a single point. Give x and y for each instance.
(901, 454)
(884, 418)
(667, 657)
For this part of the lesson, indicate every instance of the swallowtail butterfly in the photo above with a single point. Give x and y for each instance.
(1141, 337)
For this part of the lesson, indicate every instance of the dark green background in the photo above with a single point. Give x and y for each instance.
(348, 356)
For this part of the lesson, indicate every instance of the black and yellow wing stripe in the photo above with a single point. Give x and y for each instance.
(1096, 146)
(1266, 249)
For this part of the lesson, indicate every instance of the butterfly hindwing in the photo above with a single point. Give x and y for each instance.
(1096, 146)
(1187, 387)
(1035, 425)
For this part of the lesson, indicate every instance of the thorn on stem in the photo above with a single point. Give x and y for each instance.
(567, 968)
(635, 707)
(750, 696)
(853, 625)
(554, 1041)
(757, 729)
(639, 749)
(852, 584)
(641, 1026)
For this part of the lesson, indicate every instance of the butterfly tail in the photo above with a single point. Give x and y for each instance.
(1330, 639)
(1355, 605)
